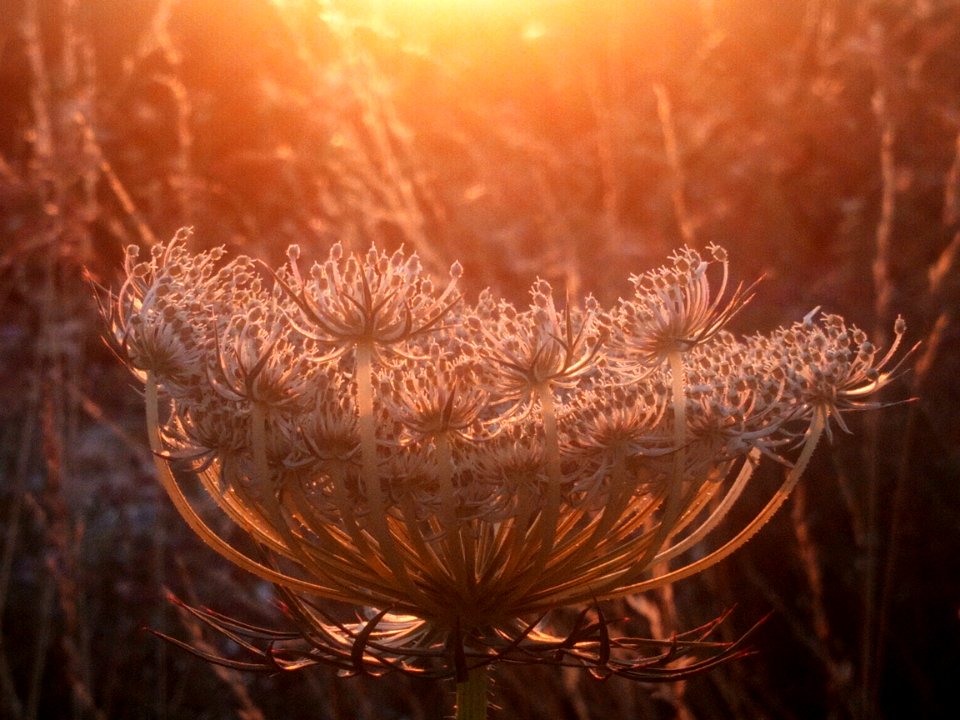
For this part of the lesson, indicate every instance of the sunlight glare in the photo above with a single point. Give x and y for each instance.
(464, 17)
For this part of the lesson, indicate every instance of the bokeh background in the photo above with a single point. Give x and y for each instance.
(575, 140)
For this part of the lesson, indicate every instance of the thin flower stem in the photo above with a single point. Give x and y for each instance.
(291, 546)
(619, 497)
(261, 480)
(456, 556)
(743, 477)
(258, 435)
(672, 503)
(551, 444)
(678, 381)
(817, 426)
(338, 482)
(196, 523)
(472, 695)
(369, 470)
(368, 431)
(448, 498)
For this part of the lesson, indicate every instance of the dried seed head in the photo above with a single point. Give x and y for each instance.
(541, 347)
(673, 308)
(377, 300)
(378, 438)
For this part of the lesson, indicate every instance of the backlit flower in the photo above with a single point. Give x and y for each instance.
(674, 308)
(459, 473)
(376, 299)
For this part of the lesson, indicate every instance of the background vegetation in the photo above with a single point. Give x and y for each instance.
(818, 140)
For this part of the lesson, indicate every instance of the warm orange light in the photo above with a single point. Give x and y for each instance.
(434, 24)
(425, 19)
(453, 7)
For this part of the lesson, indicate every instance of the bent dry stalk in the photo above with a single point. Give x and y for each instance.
(459, 472)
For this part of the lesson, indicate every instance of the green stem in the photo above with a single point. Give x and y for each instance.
(472, 695)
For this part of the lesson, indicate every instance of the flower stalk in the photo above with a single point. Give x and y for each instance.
(472, 695)
(551, 445)
(369, 473)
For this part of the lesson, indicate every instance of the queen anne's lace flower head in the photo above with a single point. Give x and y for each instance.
(541, 348)
(834, 368)
(156, 317)
(674, 308)
(459, 471)
(379, 300)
